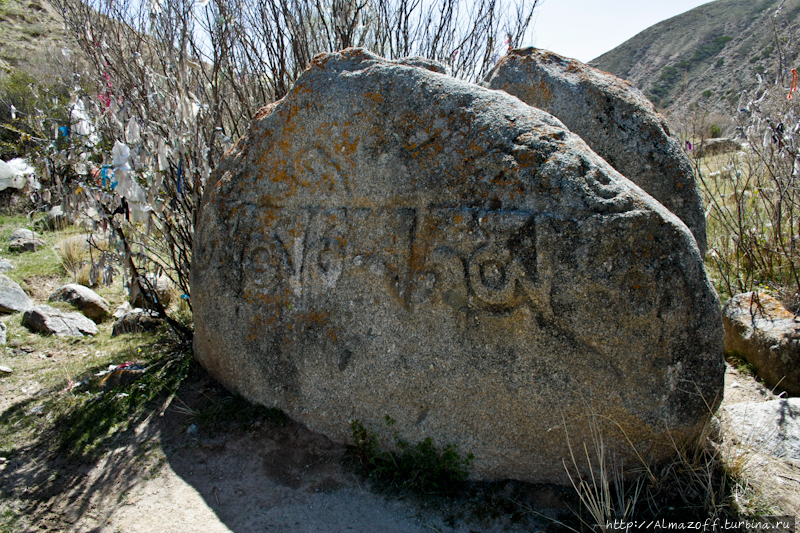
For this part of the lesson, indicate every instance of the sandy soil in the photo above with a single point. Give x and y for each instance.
(277, 477)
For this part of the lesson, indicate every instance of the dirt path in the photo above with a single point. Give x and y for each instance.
(277, 476)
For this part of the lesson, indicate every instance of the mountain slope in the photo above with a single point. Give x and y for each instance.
(32, 36)
(711, 53)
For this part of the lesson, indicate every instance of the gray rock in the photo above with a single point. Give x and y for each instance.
(135, 321)
(387, 240)
(24, 240)
(55, 219)
(771, 427)
(162, 287)
(89, 302)
(722, 145)
(122, 310)
(22, 233)
(760, 329)
(614, 118)
(12, 298)
(3, 333)
(77, 242)
(46, 319)
(5, 265)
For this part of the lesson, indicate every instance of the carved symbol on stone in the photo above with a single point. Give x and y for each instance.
(329, 261)
(493, 274)
(603, 194)
(264, 271)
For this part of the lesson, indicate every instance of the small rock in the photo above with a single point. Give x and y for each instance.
(38, 410)
(3, 333)
(163, 289)
(135, 321)
(192, 430)
(771, 427)
(55, 219)
(46, 319)
(717, 146)
(6, 370)
(89, 302)
(24, 240)
(5, 265)
(122, 310)
(761, 330)
(25, 245)
(12, 298)
(23, 233)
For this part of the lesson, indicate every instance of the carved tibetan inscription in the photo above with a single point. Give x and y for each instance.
(462, 258)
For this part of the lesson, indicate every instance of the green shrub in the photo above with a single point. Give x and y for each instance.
(421, 468)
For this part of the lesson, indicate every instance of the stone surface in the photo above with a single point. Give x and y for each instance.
(55, 219)
(135, 321)
(717, 146)
(3, 333)
(760, 329)
(46, 319)
(24, 240)
(22, 233)
(614, 118)
(89, 302)
(771, 427)
(12, 298)
(163, 289)
(5, 265)
(387, 240)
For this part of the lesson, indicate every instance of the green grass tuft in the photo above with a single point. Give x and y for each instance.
(421, 468)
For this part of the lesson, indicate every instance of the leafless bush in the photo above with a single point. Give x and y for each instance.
(753, 200)
(171, 82)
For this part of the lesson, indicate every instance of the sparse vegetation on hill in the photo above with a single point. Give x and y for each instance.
(710, 54)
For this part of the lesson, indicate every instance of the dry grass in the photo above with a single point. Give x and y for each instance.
(76, 254)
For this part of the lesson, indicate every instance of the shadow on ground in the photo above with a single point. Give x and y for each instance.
(210, 462)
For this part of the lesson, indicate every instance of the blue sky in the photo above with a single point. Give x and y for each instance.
(585, 29)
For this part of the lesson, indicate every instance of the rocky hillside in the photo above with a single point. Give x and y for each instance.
(711, 53)
(32, 38)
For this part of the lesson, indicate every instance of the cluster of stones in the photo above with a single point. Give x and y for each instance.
(93, 308)
(389, 240)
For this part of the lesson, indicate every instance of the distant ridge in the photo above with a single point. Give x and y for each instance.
(711, 53)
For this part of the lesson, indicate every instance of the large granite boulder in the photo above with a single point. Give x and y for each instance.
(767, 335)
(387, 240)
(614, 118)
(12, 298)
(89, 302)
